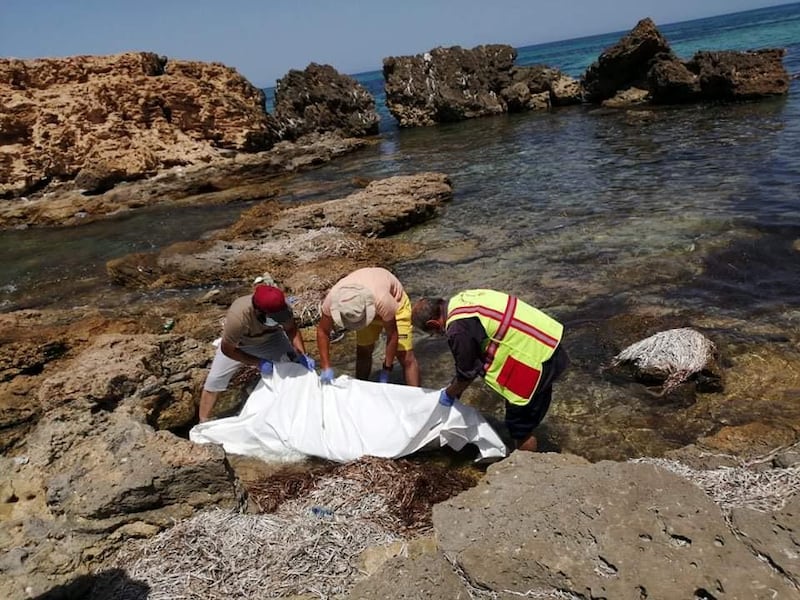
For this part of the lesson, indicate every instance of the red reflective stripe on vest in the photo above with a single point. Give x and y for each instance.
(540, 335)
(482, 310)
(502, 329)
(506, 322)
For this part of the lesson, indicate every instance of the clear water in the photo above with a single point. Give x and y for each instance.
(584, 212)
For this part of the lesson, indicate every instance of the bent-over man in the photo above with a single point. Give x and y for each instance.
(259, 330)
(515, 347)
(369, 301)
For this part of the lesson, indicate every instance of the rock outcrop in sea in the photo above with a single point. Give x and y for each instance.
(454, 84)
(642, 69)
(319, 99)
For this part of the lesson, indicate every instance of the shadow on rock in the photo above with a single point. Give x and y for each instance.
(113, 583)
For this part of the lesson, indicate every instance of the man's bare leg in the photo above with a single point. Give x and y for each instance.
(364, 361)
(410, 366)
(207, 401)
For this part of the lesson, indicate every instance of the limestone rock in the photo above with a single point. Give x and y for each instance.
(91, 480)
(627, 97)
(643, 60)
(539, 87)
(447, 84)
(740, 75)
(306, 247)
(320, 99)
(383, 208)
(542, 523)
(626, 63)
(109, 118)
(671, 82)
(426, 576)
(161, 374)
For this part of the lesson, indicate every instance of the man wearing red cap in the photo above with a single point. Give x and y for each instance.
(369, 301)
(257, 332)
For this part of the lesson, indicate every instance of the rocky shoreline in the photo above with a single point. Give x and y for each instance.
(90, 465)
(92, 400)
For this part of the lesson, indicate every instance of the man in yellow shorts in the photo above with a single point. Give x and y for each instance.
(369, 301)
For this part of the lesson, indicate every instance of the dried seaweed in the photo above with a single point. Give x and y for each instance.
(673, 355)
(743, 486)
(410, 488)
(319, 523)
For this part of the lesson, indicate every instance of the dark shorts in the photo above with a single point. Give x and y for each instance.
(522, 420)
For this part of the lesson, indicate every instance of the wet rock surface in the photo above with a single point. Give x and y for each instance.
(228, 179)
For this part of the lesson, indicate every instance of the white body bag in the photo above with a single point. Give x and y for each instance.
(291, 415)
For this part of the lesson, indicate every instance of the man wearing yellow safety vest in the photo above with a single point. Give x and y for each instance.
(515, 347)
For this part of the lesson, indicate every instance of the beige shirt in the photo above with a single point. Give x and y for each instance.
(241, 326)
(385, 287)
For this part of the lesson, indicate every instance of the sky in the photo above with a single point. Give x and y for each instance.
(264, 39)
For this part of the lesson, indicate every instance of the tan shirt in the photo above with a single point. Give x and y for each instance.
(241, 326)
(385, 287)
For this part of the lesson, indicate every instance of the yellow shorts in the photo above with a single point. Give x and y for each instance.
(370, 334)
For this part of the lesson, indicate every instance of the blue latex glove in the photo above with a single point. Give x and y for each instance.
(307, 362)
(326, 376)
(265, 366)
(446, 399)
(384, 376)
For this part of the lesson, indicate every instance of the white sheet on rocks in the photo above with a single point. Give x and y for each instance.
(291, 415)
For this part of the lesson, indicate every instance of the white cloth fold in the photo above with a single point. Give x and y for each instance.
(291, 415)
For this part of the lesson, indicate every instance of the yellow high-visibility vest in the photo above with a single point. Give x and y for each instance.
(520, 339)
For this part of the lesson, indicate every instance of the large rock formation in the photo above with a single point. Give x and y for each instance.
(453, 84)
(103, 119)
(447, 84)
(641, 68)
(320, 99)
(626, 63)
(89, 480)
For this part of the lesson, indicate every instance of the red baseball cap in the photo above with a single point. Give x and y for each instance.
(270, 300)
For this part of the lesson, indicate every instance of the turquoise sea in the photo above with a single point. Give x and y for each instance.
(590, 214)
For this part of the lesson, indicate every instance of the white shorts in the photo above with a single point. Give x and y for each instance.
(276, 348)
